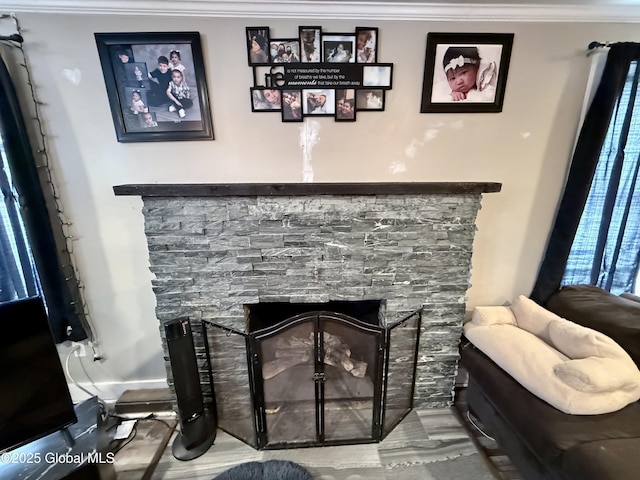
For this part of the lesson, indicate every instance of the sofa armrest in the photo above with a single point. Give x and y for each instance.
(593, 307)
(630, 296)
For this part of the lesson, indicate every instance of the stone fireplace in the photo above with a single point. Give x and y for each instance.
(215, 250)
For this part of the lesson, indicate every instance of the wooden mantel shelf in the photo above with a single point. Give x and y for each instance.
(298, 189)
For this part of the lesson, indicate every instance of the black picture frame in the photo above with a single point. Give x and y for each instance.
(318, 84)
(292, 105)
(339, 47)
(366, 44)
(379, 75)
(284, 50)
(318, 102)
(451, 51)
(265, 99)
(118, 51)
(346, 105)
(310, 46)
(370, 99)
(258, 45)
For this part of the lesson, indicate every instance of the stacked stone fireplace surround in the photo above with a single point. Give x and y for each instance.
(215, 248)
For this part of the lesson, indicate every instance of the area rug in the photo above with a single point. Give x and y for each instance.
(269, 470)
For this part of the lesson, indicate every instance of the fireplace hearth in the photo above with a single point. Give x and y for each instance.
(320, 377)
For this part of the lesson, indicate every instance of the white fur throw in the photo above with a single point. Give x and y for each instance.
(576, 369)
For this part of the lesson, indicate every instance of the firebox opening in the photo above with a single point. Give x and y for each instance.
(266, 314)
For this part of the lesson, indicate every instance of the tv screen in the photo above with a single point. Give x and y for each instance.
(34, 396)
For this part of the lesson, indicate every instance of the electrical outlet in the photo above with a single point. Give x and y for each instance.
(80, 351)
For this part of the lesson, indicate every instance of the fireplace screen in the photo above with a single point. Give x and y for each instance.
(313, 374)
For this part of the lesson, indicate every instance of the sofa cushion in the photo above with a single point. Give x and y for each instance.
(630, 296)
(614, 459)
(576, 341)
(593, 307)
(596, 374)
(597, 363)
(532, 317)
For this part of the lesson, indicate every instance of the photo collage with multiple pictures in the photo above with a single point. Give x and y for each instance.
(317, 73)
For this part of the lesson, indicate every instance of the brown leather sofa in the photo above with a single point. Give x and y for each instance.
(541, 441)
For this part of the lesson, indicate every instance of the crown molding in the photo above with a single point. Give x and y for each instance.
(327, 9)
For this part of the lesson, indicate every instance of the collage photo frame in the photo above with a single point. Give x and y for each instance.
(317, 74)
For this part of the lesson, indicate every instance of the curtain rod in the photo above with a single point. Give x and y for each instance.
(594, 44)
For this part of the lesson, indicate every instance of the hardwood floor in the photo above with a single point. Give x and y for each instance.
(434, 444)
(422, 439)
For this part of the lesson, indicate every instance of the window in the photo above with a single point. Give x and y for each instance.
(596, 234)
(18, 278)
(606, 248)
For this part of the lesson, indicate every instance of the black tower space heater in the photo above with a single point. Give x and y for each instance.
(198, 424)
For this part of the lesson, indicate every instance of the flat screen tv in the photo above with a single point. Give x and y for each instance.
(34, 395)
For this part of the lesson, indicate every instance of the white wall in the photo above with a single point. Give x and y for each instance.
(526, 148)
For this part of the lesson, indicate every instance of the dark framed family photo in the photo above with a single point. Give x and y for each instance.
(156, 86)
(465, 72)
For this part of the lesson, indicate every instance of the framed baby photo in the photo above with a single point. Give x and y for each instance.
(161, 74)
(465, 72)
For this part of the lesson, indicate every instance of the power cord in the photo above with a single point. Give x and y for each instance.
(124, 442)
(75, 348)
(151, 416)
(103, 406)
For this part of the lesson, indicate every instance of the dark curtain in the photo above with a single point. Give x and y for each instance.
(63, 318)
(610, 226)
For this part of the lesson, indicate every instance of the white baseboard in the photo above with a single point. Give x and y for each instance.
(111, 391)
